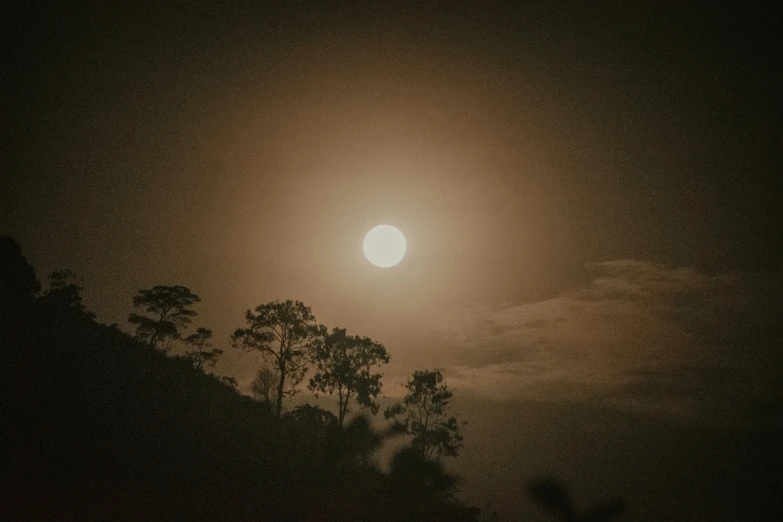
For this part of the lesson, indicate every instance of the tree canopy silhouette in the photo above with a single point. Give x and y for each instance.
(283, 332)
(424, 411)
(203, 353)
(344, 366)
(168, 311)
(98, 425)
(552, 496)
(65, 293)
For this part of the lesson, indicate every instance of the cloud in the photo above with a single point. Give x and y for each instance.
(641, 336)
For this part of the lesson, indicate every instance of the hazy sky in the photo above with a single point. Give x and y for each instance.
(591, 195)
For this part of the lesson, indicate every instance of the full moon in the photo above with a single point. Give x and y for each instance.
(384, 246)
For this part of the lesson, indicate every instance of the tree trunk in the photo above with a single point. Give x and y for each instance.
(280, 387)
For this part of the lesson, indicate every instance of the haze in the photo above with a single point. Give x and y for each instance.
(590, 197)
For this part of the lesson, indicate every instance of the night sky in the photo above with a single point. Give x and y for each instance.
(591, 194)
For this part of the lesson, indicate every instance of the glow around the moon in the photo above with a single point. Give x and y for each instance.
(384, 246)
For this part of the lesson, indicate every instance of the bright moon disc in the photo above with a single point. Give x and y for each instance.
(384, 246)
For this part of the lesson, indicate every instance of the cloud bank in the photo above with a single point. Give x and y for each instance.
(641, 336)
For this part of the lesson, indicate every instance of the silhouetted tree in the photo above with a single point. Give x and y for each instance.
(65, 293)
(312, 418)
(420, 474)
(168, 311)
(202, 355)
(359, 440)
(283, 332)
(426, 489)
(168, 443)
(313, 430)
(425, 416)
(344, 365)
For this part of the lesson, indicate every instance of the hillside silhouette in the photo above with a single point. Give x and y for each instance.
(98, 425)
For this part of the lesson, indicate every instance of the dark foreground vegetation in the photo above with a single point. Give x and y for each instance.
(101, 425)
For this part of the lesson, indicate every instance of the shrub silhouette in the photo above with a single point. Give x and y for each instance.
(552, 496)
(425, 416)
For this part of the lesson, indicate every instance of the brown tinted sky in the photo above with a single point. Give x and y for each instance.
(528, 153)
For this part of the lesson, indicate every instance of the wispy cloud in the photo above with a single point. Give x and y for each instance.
(640, 336)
